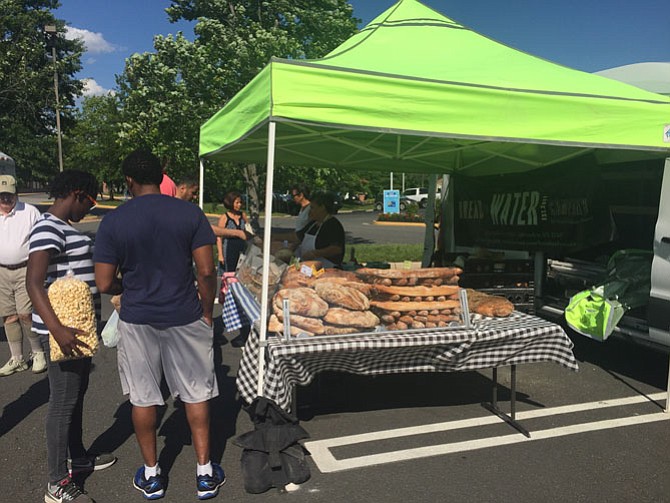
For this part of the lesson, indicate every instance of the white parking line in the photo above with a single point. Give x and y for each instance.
(326, 462)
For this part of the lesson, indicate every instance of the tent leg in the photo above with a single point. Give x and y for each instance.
(201, 189)
(267, 231)
(667, 398)
(429, 219)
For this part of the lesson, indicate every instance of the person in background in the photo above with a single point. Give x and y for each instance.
(16, 221)
(167, 185)
(187, 189)
(300, 196)
(57, 247)
(230, 231)
(323, 238)
(165, 322)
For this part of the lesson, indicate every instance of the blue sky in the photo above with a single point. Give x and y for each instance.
(589, 35)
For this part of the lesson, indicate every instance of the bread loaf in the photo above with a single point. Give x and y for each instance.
(303, 301)
(489, 305)
(344, 317)
(341, 296)
(334, 330)
(312, 325)
(274, 325)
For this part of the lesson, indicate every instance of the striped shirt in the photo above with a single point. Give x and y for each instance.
(70, 250)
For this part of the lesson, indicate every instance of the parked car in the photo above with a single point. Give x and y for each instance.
(420, 195)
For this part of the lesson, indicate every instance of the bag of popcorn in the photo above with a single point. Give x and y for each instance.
(72, 302)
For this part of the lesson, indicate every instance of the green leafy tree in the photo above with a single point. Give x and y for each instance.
(167, 94)
(27, 99)
(93, 144)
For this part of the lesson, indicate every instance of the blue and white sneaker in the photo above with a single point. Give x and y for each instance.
(152, 488)
(208, 485)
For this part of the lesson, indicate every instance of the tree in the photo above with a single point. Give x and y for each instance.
(27, 99)
(93, 144)
(166, 95)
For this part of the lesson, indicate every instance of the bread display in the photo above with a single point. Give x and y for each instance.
(335, 302)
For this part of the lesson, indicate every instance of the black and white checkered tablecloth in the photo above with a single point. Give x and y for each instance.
(520, 338)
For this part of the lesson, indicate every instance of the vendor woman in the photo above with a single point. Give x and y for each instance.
(231, 232)
(323, 238)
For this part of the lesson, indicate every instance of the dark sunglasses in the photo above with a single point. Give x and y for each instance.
(94, 203)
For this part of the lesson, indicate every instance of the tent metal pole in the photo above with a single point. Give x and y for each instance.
(267, 231)
(429, 219)
(201, 185)
(667, 398)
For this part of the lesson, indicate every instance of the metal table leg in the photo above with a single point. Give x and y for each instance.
(493, 406)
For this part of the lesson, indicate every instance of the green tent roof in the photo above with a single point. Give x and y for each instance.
(416, 91)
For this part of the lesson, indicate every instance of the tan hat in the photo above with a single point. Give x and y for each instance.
(7, 184)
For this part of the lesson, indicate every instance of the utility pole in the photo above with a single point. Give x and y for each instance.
(52, 33)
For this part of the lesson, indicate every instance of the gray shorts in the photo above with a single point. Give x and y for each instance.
(184, 354)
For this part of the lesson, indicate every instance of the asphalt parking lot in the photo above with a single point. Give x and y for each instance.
(599, 434)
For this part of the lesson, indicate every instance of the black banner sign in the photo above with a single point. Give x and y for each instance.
(553, 210)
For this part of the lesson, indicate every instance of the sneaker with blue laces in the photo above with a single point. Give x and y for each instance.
(152, 488)
(208, 485)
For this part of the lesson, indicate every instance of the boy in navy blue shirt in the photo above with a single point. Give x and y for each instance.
(165, 322)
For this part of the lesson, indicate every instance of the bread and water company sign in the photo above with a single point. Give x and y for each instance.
(549, 209)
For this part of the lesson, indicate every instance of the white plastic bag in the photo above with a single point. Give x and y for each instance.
(110, 334)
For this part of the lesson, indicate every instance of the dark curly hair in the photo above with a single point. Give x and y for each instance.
(69, 181)
(326, 199)
(229, 199)
(143, 167)
(301, 189)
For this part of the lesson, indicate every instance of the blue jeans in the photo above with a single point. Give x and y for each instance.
(68, 382)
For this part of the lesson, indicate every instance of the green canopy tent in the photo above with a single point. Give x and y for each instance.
(415, 91)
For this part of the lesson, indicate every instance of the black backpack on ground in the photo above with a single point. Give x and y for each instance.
(272, 456)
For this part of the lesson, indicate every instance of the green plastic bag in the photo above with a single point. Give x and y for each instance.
(593, 315)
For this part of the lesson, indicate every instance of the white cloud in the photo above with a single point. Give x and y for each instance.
(95, 43)
(92, 88)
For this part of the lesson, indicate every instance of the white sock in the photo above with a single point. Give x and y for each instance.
(151, 471)
(205, 469)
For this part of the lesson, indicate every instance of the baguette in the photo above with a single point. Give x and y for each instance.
(429, 272)
(419, 291)
(415, 306)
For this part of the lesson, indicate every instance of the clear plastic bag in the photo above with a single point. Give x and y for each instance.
(72, 303)
(110, 334)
